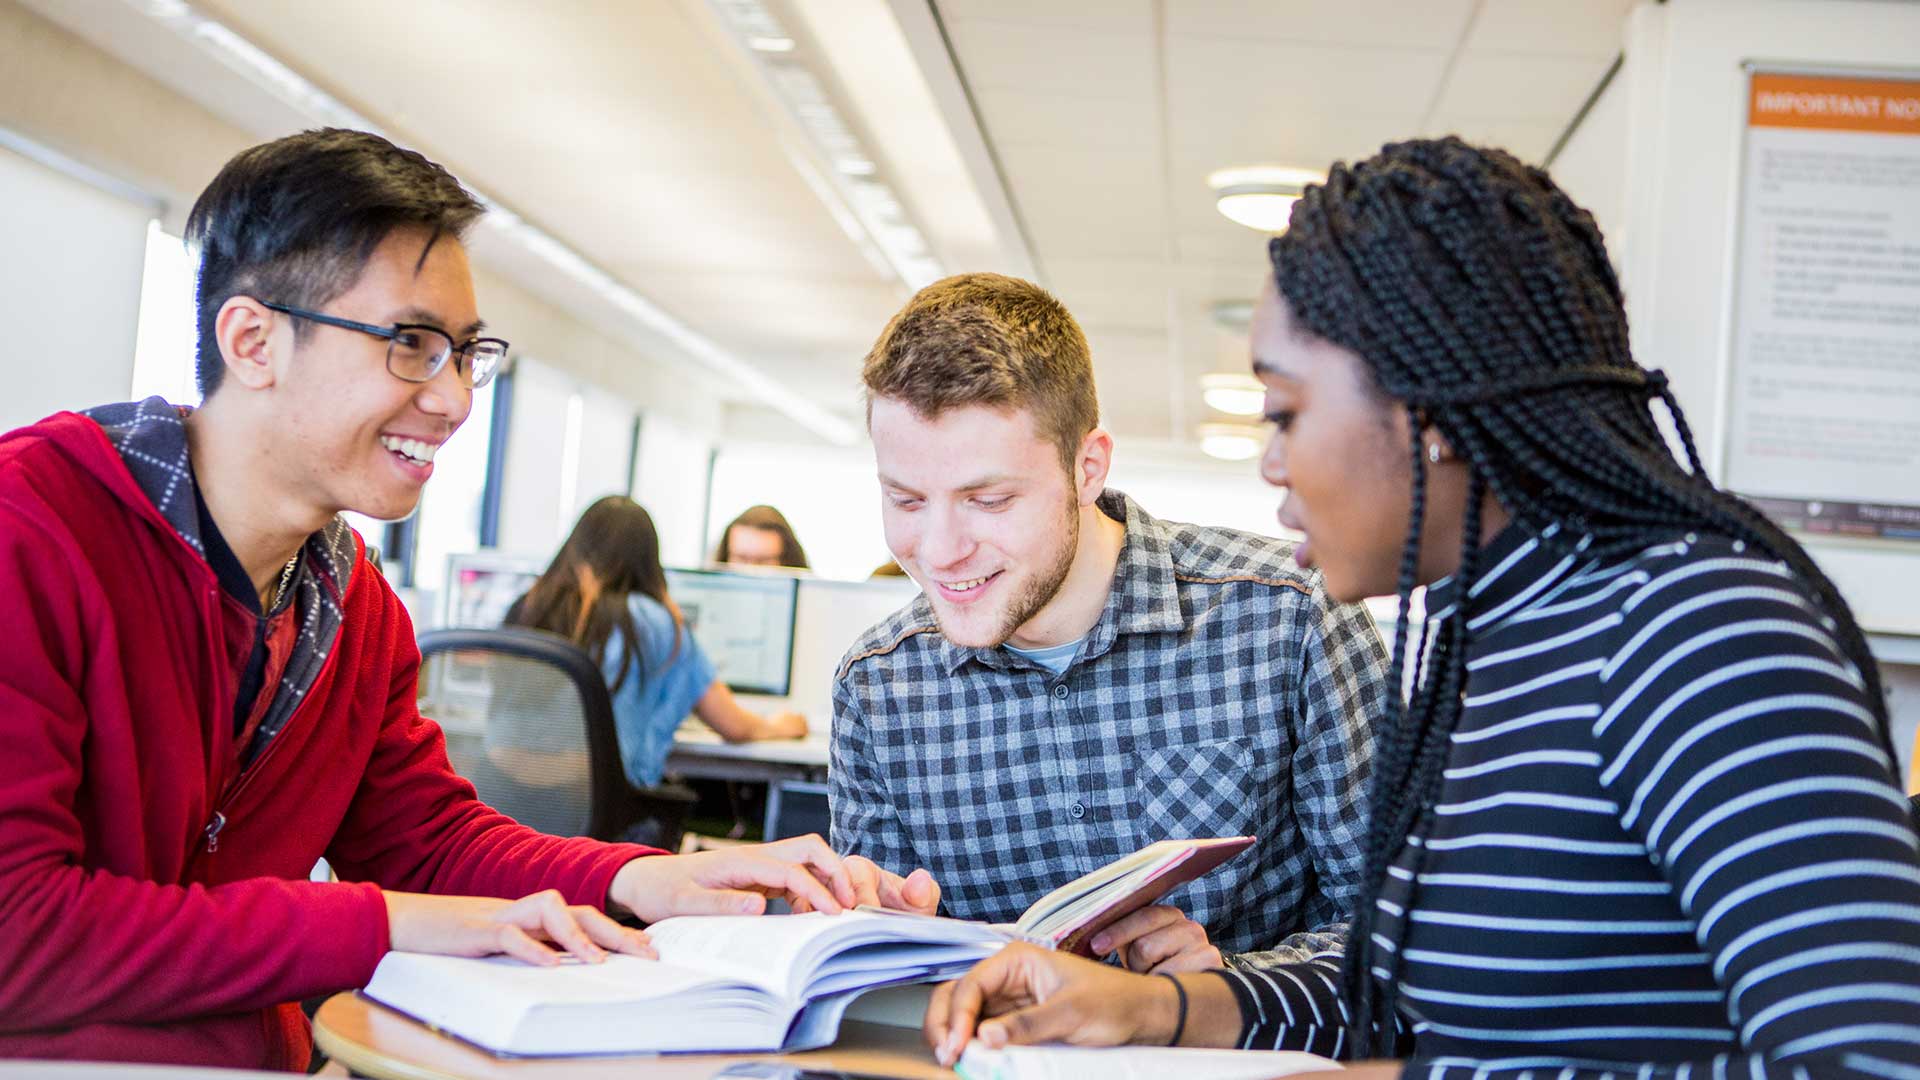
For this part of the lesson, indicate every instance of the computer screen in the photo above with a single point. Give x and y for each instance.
(743, 622)
(482, 586)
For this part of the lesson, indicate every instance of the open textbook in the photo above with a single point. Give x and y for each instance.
(752, 983)
(1070, 916)
(978, 1062)
(722, 982)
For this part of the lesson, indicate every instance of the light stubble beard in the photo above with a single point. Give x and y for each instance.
(1040, 591)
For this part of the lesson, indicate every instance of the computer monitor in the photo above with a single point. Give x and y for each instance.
(743, 622)
(481, 586)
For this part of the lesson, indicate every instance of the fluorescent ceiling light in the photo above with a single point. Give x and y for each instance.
(1234, 315)
(320, 107)
(1235, 394)
(1260, 196)
(826, 150)
(1231, 442)
(770, 44)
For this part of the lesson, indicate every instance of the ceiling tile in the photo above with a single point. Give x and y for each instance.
(1216, 85)
(1528, 140)
(1430, 24)
(1066, 120)
(1088, 203)
(1113, 294)
(1565, 27)
(1030, 58)
(1519, 87)
(1136, 382)
(1127, 16)
(624, 132)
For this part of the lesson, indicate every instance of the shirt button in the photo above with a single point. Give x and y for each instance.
(1060, 691)
(1078, 810)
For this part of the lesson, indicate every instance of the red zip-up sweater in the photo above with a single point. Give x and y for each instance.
(125, 934)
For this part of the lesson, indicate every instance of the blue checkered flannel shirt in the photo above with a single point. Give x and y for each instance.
(1221, 693)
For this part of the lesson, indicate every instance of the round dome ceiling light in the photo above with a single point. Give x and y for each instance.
(1232, 442)
(1260, 196)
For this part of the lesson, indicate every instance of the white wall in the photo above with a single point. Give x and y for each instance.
(568, 444)
(1592, 166)
(1685, 94)
(670, 480)
(69, 290)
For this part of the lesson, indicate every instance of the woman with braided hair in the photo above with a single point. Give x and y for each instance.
(1639, 815)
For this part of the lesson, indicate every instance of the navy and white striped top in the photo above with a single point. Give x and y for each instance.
(1667, 844)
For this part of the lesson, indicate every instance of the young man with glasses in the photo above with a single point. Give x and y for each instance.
(1079, 677)
(205, 686)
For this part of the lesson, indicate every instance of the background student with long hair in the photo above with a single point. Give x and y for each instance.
(607, 593)
(1640, 816)
(760, 536)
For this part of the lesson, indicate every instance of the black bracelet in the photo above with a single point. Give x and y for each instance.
(1180, 1025)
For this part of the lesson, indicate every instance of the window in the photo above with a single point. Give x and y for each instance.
(164, 344)
(448, 521)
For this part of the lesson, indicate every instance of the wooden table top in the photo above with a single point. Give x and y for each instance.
(373, 1040)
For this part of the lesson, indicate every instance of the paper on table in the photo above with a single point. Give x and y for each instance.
(1131, 1063)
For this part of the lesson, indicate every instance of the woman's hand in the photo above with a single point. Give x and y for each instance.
(734, 881)
(484, 926)
(785, 725)
(1024, 994)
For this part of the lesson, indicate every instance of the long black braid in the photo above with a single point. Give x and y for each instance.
(1482, 301)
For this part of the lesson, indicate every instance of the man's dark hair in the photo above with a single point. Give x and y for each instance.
(1481, 300)
(294, 221)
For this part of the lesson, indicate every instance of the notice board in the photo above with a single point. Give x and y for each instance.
(1824, 387)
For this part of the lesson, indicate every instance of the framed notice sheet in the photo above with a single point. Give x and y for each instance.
(1824, 396)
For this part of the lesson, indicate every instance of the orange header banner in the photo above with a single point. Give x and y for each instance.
(1888, 106)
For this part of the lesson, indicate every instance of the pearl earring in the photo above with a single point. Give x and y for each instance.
(1433, 453)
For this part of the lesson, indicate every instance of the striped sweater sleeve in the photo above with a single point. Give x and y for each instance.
(1294, 1005)
(1739, 748)
(1739, 745)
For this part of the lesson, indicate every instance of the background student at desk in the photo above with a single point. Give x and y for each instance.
(607, 592)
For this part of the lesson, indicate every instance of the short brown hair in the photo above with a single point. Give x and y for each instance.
(993, 340)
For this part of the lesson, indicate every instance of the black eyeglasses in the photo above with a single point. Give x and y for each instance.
(416, 352)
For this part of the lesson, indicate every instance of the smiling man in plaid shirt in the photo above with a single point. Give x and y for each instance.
(1079, 678)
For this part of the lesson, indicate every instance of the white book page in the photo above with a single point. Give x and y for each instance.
(782, 953)
(620, 978)
(1099, 879)
(1131, 1063)
(764, 950)
(494, 1001)
(1062, 909)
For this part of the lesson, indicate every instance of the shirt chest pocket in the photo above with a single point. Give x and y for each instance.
(1195, 790)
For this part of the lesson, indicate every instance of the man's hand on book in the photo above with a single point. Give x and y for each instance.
(734, 881)
(874, 887)
(1159, 940)
(484, 926)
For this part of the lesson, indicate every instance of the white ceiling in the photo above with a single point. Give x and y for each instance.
(1107, 116)
(620, 128)
(631, 132)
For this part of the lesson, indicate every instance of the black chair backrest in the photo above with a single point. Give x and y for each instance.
(796, 808)
(529, 722)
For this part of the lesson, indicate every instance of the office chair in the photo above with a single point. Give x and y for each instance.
(529, 723)
(796, 808)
